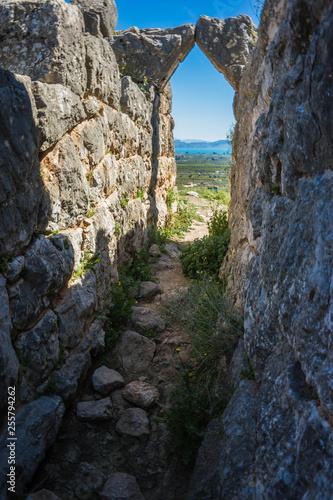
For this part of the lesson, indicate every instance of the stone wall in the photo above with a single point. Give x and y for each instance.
(274, 440)
(86, 160)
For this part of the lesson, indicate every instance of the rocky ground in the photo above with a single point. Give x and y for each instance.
(115, 436)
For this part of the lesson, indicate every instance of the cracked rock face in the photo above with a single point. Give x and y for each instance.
(100, 16)
(227, 44)
(152, 53)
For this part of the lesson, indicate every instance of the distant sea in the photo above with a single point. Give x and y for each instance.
(204, 151)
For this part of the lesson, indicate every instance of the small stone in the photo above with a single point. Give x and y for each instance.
(43, 495)
(140, 394)
(121, 486)
(106, 380)
(192, 193)
(172, 250)
(154, 251)
(145, 320)
(133, 422)
(148, 290)
(90, 411)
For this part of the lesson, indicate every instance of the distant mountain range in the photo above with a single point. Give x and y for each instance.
(200, 144)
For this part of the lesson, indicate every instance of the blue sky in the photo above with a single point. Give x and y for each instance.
(202, 99)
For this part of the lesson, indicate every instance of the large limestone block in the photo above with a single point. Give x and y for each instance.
(66, 200)
(48, 266)
(40, 347)
(125, 138)
(44, 40)
(106, 380)
(100, 16)
(134, 103)
(103, 178)
(59, 110)
(136, 353)
(227, 44)
(8, 361)
(102, 71)
(152, 53)
(141, 394)
(71, 374)
(20, 183)
(37, 426)
(75, 310)
(146, 320)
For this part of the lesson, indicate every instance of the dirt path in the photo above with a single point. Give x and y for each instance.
(130, 437)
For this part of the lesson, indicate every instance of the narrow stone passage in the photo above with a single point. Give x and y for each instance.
(115, 434)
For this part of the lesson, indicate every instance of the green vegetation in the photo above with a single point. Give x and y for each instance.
(230, 133)
(180, 222)
(124, 294)
(117, 228)
(208, 173)
(140, 194)
(205, 256)
(4, 259)
(214, 327)
(125, 200)
(87, 262)
(91, 212)
(276, 190)
(218, 223)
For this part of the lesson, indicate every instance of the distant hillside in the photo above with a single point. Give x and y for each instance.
(201, 144)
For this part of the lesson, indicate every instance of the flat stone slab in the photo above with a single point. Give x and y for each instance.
(133, 422)
(121, 486)
(135, 352)
(90, 411)
(140, 394)
(154, 251)
(105, 380)
(145, 320)
(148, 290)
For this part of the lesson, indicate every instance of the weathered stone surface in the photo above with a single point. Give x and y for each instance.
(48, 266)
(224, 468)
(75, 238)
(141, 394)
(106, 380)
(172, 249)
(75, 311)
(88, 479)
(135, 352)
(13, 269)
(227, 44)
(121, 486)
(8, 362)
(103, 10)
(43, 495)
(134, 103)
(44, 40)
(239, 364)
(59, 110)
(103, 80)
(134, 422)
(40, 348)
(68, 378)
(154, 251)
(92, 411)
(103, 178)
(145, 320)
(37, 426)
(97, 336)
(20, 184)
(66, 200)
(152, 53)
(148, 290)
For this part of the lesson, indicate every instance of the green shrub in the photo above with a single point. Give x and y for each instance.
(156, 236)
(171, 198)
(218, 222)
(120, 309)
(87, 262)
(204, 256)
(140, 194)
(214, 327)
(222, 195)
(124, 201)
